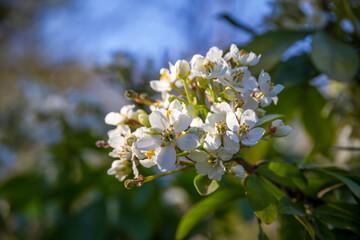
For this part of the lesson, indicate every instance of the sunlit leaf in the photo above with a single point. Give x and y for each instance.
(333, 57)
(268, 118)
(204, 185)
(206, 206)
(261, 199)
(283, 173)
(307, 225)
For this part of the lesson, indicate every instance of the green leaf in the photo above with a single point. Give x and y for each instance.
(307, 225)
(261, 199)
(262, 235)
(322, 231)
(206, 206)
(286, 206)
(272, 46)
(320, 128)
(283, 173)
(204, 185)
(340, 215)
(333, 57)
(274, 189)
(353, 186)
(290, 74)
(268, 118)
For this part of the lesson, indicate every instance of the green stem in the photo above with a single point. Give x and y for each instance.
(221, 87)
(153, 177)
(178, 89)
(187, 91)
(212, 92)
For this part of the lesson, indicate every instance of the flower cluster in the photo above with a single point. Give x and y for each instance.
(210, 108)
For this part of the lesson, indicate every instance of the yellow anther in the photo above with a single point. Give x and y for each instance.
(272, 84)
(164, 76)
(150, 153)
(168, 112)
(242, 52)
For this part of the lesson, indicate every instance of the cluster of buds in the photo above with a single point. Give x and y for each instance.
(210, 108)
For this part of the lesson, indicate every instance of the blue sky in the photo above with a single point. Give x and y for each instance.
(92, 30)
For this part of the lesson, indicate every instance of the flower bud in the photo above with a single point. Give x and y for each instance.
(260, 112)
(130, 94)
(279, 129)
(238, 171)
(120, 168)
(135, 115)
(192, 109)
(182, 69)
(229, 93)
(144, 119)
(202, 82)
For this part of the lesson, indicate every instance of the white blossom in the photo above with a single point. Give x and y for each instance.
(279, 129)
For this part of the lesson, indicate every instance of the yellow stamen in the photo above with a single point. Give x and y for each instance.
(242, 52)
(164, 76)
(150, 153)
(168, 112)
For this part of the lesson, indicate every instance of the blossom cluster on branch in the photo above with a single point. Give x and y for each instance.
(209, 110)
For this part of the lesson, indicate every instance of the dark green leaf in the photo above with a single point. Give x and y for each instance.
(272, 46)
(204, 185)
(320, 128)
(283, 173)
(340, 215)
(290, 74)
(206, 206)
(262, 235)
(261, 199)
(322, 231)
(307, 225)
(334, 58)
(268, 118)
(353, 186)
(236, 23)
(286, 206)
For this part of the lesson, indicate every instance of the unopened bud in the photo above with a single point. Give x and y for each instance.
(144, 119)
(229, 93)
(279, 129)
(135, 115)
(202, 82)
(192, 109)
(130, 94)
(260, 112)
(182, 69)
(238, 171)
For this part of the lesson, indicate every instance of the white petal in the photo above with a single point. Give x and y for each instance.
(188, 142)
(114, 118)
(148, 163)
(160, 86)
(217, 171)
(196, 122)
(230, 145)
(176, 105)
(221, 107)
(233, 136)
(167, 158)
(212, 141)
(180, 121)
(158, 121)
(232, 121)
(149, 142)
(199, 156)
(224, 154)
(256, 134)
(135, 169)
(249, 118)
(248, 142)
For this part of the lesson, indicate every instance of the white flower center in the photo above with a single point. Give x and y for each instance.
(168, 134)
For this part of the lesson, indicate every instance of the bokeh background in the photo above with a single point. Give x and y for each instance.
(66, 63)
